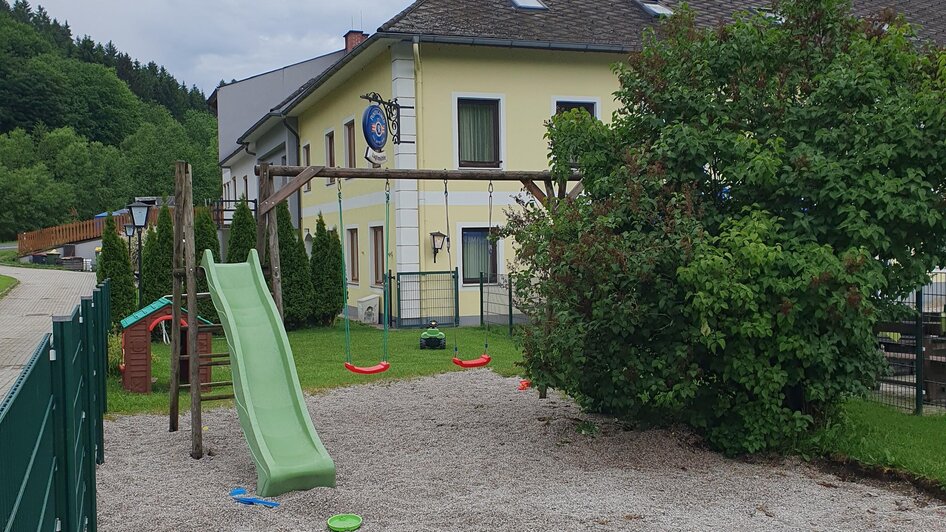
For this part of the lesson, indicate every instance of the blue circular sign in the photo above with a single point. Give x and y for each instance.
(375, 126)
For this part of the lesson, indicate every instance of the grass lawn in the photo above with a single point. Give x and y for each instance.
(320, 355)
(877, 435)
(6, 284)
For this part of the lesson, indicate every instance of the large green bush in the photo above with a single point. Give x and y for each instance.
(785, 332)
(327, 276)
(832, 123)
(765, 192)
(297, 291)
(599, 280)
(242, 234)
(113, 264)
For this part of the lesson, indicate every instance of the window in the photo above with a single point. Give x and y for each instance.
(234, 188)
(479, 256)
(226, 191)
(377, 256)
(246, 187)
(330, 153)
(565, 106)
(306, 158)
(350, 144)
(353, 255)
(478, 133)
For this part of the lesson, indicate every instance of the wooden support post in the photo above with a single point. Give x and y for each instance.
(534, 190)
(576, 190)
(275, 273)
(176, 263)
(190, 264)
(263, 195)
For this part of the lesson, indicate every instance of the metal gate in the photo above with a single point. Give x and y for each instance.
(426, 296)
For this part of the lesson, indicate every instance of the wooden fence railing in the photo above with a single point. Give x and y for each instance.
(60, 235)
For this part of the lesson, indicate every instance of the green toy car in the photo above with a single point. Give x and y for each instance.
(432, 338)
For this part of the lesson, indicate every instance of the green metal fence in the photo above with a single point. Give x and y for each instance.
(915, 350)
(423, 297)
(498, 304)
(51, 429)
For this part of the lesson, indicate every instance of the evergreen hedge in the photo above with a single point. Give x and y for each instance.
(156, 260)
(327, 277)
(205, 237)
(113, 264)
(297, 290)
(242, 233)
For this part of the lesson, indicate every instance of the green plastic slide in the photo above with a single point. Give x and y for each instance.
(288, 452)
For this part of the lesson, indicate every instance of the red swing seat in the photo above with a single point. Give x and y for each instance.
(371, 370)
(483, 360)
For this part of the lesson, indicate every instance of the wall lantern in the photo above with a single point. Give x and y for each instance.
(437, 239)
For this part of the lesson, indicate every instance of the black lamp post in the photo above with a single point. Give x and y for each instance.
(437, 239)
(129, 232)
(139, 217)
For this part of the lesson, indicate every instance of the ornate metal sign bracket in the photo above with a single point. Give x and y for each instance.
(392, 111)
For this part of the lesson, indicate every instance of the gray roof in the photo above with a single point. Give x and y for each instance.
(615, 23)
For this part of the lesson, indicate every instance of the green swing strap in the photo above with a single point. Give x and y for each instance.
(384, 365)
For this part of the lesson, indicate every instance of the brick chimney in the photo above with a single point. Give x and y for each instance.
(353, 38)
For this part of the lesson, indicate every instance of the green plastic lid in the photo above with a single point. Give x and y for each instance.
(344, 522)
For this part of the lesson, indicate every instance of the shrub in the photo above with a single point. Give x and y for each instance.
(114, 265)
(327, 276)
(114, 354)
(598, 282)
(766, 189)
(784, 339)
(242, 234)
(297, 291)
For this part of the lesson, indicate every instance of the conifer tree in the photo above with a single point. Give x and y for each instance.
(297, 291)
(327, 276)
(157, 262)
(205, 237)
(242, 233)
(114, 265)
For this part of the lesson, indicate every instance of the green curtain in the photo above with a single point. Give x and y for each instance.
(477, 124)
(478, 256)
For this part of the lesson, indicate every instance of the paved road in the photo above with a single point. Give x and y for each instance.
(10, 245)
(26, 313)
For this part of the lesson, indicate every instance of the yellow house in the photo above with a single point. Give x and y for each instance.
(477, 80)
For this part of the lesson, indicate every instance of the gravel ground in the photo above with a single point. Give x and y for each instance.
(467, 451)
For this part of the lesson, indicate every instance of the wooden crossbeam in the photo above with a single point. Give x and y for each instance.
(424, 175)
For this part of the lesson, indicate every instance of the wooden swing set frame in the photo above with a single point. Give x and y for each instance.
(185, 268)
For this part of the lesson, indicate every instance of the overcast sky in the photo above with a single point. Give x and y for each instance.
(203, 41)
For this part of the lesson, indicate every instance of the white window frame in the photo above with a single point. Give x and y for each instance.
(455, 125)
(371, 255)
(328, 181)
(302, 154)
(577, 99)
(349, 254)
(354, 132)
(456, 240)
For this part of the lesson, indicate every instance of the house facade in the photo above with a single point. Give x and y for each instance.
(477, 80)
(239, 106)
